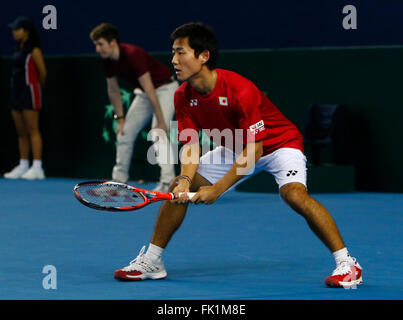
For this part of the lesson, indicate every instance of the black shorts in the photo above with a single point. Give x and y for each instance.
(26, 97)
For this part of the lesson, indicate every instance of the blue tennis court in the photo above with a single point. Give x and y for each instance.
(246, 246)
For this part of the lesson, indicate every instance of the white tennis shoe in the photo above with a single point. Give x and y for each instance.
(141, 268)
(347, 275)
(34, 174)
(16, 173)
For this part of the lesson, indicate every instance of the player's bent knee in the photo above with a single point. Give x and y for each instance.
(293, 193)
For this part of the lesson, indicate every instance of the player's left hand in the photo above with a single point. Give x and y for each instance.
(207, 195)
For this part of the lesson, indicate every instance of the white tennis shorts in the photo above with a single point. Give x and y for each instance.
(285, 164)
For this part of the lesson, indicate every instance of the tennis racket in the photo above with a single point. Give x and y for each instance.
(115, 196)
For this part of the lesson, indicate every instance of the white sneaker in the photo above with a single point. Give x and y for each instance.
(162, 187)
(34, 174)
(16, 173)
(347, 275)
(141, 268)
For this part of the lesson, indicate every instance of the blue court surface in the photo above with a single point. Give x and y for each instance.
(246, 246)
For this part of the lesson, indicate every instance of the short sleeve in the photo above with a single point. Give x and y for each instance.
(139, 62)
(250, 119)
(107, 67)
(188, 130)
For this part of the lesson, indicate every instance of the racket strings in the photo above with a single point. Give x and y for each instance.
(110, 195)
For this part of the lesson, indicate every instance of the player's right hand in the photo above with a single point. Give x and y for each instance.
(162, 126)
(182, 186)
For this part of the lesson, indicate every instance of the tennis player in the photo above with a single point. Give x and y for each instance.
(29, 75)
(214, 98)
(154, 88)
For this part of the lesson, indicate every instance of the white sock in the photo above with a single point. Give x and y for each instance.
(24, 164)
(154, 253)
(37, 164)
(341, 255)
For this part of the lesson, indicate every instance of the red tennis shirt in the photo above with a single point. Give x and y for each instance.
(235, 105)
(133, 62)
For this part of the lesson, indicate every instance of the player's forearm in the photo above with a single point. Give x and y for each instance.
(243, 164)
(42, 78)
(40, 65)
(189, 170)
(148, 87)
(190, 158)
(155, 104)
(42, 75)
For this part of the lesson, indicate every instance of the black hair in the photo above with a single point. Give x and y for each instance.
(34, 40)
(201, 37)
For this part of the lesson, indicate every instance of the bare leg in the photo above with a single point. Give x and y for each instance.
(22, 132)
(318, 218)
(31, 119)
(171, 215)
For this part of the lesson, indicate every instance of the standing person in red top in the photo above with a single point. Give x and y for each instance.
(29, 75)
(154, 88)
(212, 99)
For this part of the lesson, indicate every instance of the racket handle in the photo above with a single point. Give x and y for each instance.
(190, 194)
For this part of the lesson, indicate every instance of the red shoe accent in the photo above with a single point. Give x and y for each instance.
(346, 280)
(141, 268)
(124, 275)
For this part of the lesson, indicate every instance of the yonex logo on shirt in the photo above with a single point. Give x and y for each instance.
(193, 102)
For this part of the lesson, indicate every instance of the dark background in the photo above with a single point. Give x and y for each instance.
(239, 24)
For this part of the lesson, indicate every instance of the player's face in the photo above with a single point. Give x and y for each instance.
(104, 48)
(185, 63)
(19, 34)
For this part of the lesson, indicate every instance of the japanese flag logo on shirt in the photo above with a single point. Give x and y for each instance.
(223, 101)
